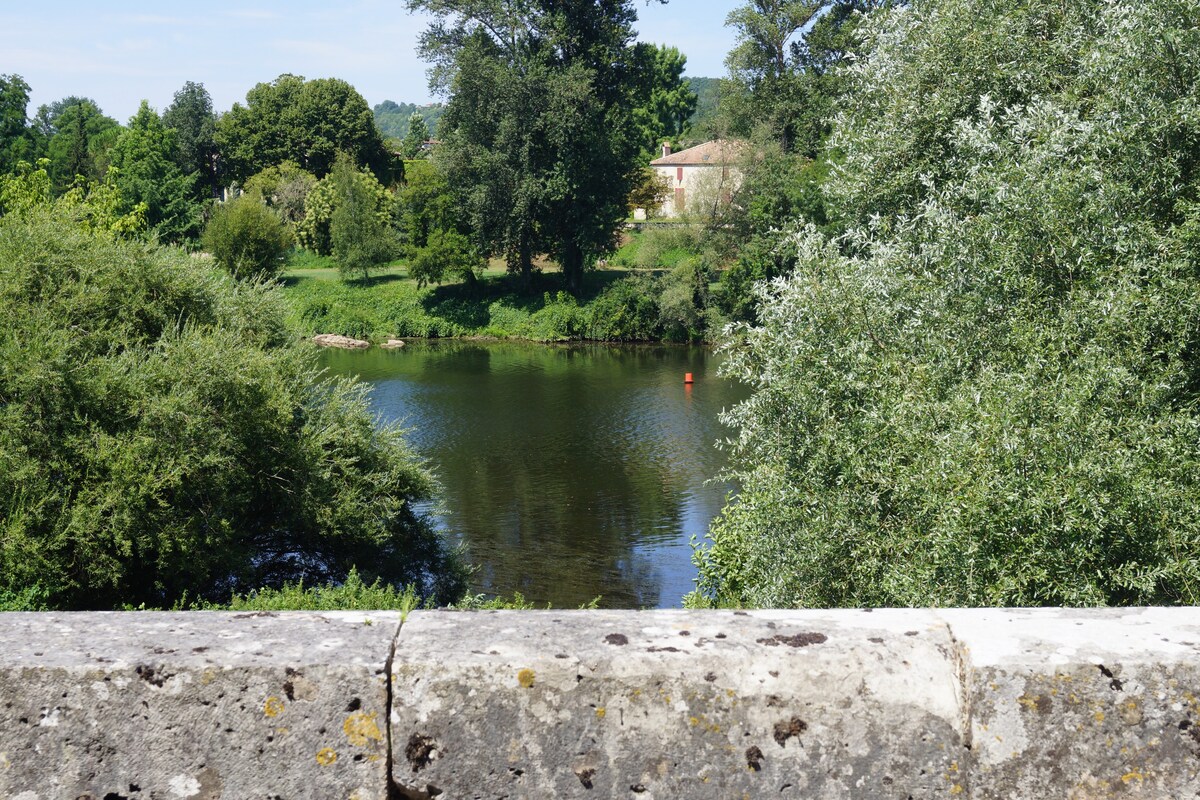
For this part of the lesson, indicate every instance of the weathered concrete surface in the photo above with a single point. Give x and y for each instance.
(1082, 704)
(677, 705)
(989, 704)
(198, 705)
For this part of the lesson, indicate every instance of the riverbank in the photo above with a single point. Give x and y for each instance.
(618, 304)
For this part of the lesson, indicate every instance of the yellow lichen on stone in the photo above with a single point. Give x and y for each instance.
(361, 728)
(1098, 716)
(694, 721)
(600, 712)
(273, 707)
(525, 677)
(326, 756)
(1133, 775)
(957, 789)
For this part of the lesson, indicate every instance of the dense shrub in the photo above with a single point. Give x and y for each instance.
(626, 311)
(247, 238)
(986, 392)
(160, 436)
(445, 254)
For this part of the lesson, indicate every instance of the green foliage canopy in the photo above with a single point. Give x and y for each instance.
(985, 392)
(285, 188)
(160, 436)
(194, 124)
(394, 118)
(663, 101)
(305, 121)
(17, 140)
(414, 140)
(80, 137)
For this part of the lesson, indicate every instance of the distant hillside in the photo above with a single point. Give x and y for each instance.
(708, 91)
(392, 118)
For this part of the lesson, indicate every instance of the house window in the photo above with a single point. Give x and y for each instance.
(680, 205)
(679, 175)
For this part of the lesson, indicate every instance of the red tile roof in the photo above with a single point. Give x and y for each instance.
(719, 151)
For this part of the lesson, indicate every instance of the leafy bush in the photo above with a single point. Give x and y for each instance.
(986, 392)
(353, 594)
(683, 301)
(161, 436)
(626, 311)
(446, 254)
(247, 238)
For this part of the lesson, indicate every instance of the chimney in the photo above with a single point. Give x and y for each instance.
(666, 149)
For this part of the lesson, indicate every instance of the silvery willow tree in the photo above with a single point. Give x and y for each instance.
(987, 392)
(538, 135)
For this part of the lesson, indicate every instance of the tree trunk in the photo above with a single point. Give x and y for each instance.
(572, 268)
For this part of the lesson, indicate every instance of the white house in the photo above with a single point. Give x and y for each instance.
(701, 177)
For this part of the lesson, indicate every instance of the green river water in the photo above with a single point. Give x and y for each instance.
(571, 472)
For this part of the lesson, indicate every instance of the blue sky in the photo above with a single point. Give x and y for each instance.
(119, 52)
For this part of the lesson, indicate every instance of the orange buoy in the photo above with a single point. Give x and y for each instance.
(687, 378)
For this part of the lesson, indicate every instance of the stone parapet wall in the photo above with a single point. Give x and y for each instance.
(1033, 704)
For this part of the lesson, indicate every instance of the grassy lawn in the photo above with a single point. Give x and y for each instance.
(621, 301)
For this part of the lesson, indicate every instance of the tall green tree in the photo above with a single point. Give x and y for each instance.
(361, 236)
(762, 88)
(783, 70)
(307, 122)
(414, 140)
(365, 229)
(17, 139)
(538, 131)
(145, 172)
(80, 138)
(194, 123)
(663, 101)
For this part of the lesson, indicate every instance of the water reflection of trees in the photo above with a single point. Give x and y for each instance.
(563, 466)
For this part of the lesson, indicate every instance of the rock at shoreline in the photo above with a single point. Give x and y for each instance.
(335, 340)
(392, 344)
